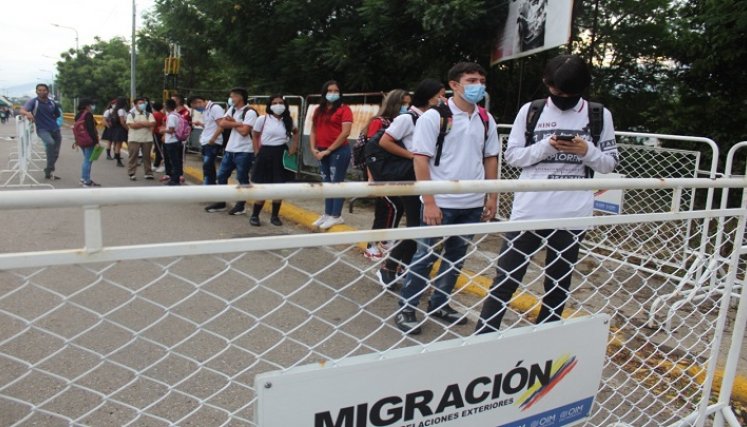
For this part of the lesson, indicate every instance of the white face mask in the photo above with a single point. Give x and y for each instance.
(277, 109)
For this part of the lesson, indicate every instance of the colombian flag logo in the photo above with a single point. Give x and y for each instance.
(560, 368)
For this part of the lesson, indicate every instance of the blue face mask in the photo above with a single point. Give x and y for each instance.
(201, 109)
(474, 93)
(142, 107)
(403, 109)
(332, 96)
(230, 102)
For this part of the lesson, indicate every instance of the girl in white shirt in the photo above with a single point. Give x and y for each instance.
(271, 135)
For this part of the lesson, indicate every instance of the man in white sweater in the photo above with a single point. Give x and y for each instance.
(560, 146)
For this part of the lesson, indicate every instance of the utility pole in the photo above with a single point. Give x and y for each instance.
(133, 57)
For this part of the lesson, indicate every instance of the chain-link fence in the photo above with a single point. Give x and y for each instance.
(175, 334)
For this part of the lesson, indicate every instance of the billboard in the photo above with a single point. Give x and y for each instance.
(545, 375)
(531, 26)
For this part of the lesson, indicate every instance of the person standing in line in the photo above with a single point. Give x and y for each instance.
(331, 125)
(173, 146)
(85, 111)
(140, 136)
(118, 120)
(271, 135)
(44, 112)
(160, 164)
(211, 139)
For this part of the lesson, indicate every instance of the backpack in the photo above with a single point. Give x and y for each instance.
(227, 132)
(58, 110)
(183, 129)
(359, 148)
(80, 132)
(385, 166)
(596, 123)
(446, 121)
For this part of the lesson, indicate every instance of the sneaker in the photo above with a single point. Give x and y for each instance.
(160, 169)
(109, 157)
(387, 278)
(448, 315)
(319, 220)
(254, 220)
(215, 207)
(149, 177)
(90, 184)
(373, 253)
(407, 322)
(132, 177)
(237, 210)
(330, 222)
(276, 221)
(51, 177)
(165, 178)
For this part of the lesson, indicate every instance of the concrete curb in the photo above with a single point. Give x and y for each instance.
(477, 285)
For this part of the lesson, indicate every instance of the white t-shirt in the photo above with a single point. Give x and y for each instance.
(172, 121)
(272, 130)
(212, 113)
(541, 160)
(107, 113)
(463, 152)
(236, 142)
(402, 128)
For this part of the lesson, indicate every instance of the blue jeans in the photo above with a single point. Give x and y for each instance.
(209, 154)
(52, 141)
(242, 162)
(333, 169)
(85, 169)
(452, 260)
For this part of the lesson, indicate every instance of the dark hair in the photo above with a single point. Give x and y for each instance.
(426, 90)
(323, 104)
(390, 106)
(241, 91)
(195, 98)
(44, 85)
(458, 70)
(139, 99)
(170, 104)
(179, 97)
(83, 103)
(287, 119)
(120, 104)
(567, 73)
(158, 106)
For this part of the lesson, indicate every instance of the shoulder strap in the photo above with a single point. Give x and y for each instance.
(446, 121)
(485, 121)
(245, 110)
(596, 121)
(414, 116)
(36, 107)
(533, 115)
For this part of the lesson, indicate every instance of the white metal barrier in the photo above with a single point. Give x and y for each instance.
(174, 334)
(24, 160)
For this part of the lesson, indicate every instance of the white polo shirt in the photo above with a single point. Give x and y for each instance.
(172, 121)
(211, 115)
(402, 128)
(463, 152)
(144, 134)
(236, 142)
(272, 130)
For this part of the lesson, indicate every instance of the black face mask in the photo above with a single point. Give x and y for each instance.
(565, 102)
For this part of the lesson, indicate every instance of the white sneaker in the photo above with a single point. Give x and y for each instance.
(160, 169)
(330, 222)
(373, 253)
(319, 220)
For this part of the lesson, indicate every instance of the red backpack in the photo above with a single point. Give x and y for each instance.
(82, 138)
(183, 128)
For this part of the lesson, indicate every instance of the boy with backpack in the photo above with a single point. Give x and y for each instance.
(44, 112)
(560, 137)
(456, 141)
(211, 138)
(174, 133)
(140, 123)
(239, 152)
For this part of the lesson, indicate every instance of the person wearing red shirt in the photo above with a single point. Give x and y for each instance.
(160, 118)
(330, 128)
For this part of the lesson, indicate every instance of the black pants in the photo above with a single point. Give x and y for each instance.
(518, 248)
(175, 154)
(401, 255)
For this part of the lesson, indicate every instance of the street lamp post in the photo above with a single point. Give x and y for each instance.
(77, 48)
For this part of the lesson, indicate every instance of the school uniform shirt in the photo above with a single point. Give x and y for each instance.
(402, 128)
(272, 130)
(144, 134)
(329, 126)
(464, 150)
(211, 115)
(236, 142)
(172, 121)
(160, 119)
(541, 160)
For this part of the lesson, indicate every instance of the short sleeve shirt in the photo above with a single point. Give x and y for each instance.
(329, 126)
(238, 143)
(210, 117)
(144, 134)
(172, 121)
(273, 131)
(403, 127)
(46, 113)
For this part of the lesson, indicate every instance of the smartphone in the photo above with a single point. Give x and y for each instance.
(568, 138)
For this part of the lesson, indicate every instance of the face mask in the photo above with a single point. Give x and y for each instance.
(565, 102)
(201, 109)
(142, 107)
(230, 102)
(473, 93)
(93, 107)
(403, 109)
(277, 109)
(332, 96)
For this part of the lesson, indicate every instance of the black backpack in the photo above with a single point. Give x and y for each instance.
(596, 123)
(359, 148)
(385, 166)
(227, 132)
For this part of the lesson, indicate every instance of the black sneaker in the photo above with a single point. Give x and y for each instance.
(215, 207)
(276, 221)
(254, 220)
(237, 210)
(407, 322)
(448, 315)
(387, 278)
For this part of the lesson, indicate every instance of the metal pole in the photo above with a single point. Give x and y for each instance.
(133, 56)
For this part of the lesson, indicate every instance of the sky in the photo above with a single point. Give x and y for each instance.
(32, 45)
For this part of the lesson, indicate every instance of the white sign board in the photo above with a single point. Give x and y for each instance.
(609, 201)
(535, 376)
